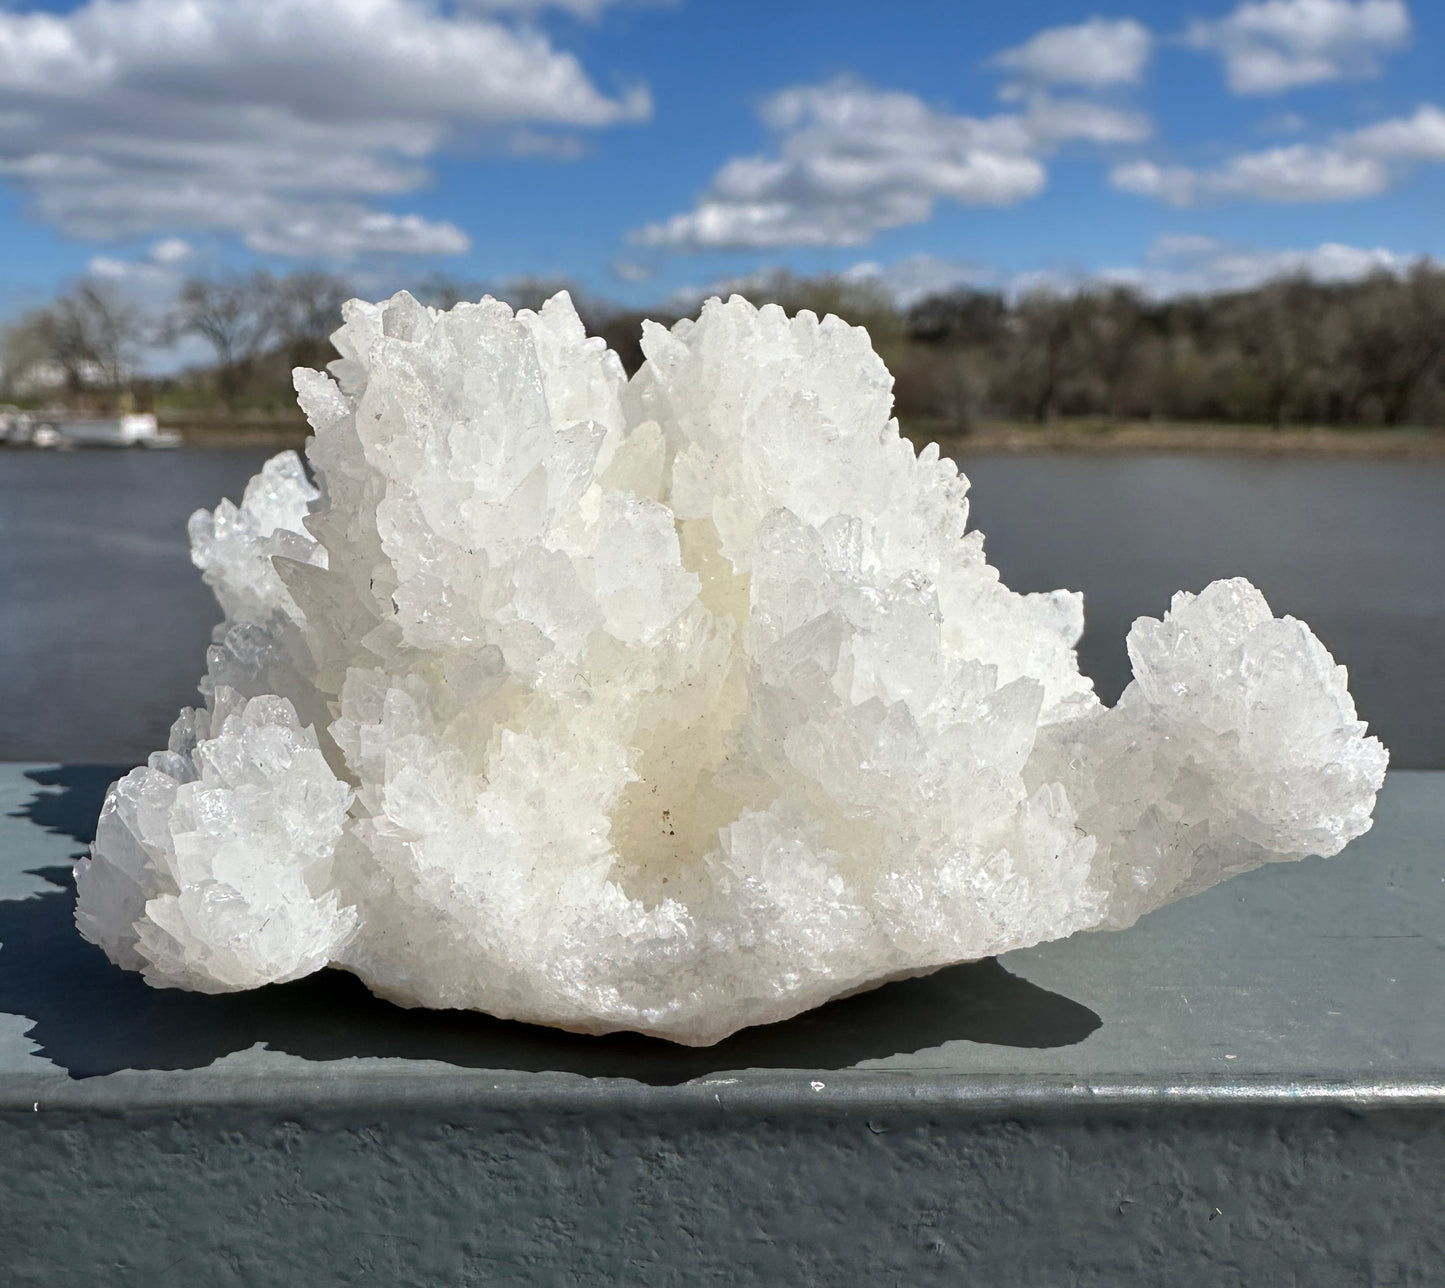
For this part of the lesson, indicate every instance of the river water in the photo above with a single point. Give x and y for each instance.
(104, 623)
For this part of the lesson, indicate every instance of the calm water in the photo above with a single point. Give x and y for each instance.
(104, 623)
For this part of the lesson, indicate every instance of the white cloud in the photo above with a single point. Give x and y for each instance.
(1050, 121)
(347, 232)
(853, 161)
(1413, 138)
(1298, 173)
(916, 277)
(1176, 264)
(258, 117)
(1283, 123)
(628, 270)
(904, 281)
(171, 250)
(588, 10)
(1278, 44)
(1360, 163)
(1188, 264)
(126, 270)
(1170, 246)
(1094, 53)
(1192, 265)
(523, 142)
(149, 284)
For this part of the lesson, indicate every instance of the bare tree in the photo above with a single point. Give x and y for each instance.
(1111, 325)
(237, 315)
(1292, 349)
(533, 292)
(307, 311)
(1045, 343)
(946, 372)
(962, 316)
(944, 384)
(442, 290)
(22, 351)
(1397, 335)
(1278, 337)
(90, 334)
(863, 303)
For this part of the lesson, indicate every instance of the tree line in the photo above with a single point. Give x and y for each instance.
(85, 345)
(1292, 351)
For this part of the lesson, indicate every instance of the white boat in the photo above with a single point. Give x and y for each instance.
(66, 429)
(16, 426)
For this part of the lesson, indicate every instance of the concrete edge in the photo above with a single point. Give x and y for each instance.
(824, 1093)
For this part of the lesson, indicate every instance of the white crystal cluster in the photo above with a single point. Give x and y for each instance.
(675, 704)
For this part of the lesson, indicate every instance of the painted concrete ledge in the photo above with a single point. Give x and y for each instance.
(1246, 1088)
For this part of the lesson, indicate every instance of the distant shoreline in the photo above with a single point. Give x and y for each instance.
(1232, 440)
(992, 438)
(241, 430)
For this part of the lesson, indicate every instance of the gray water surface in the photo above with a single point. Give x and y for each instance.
(104, 622)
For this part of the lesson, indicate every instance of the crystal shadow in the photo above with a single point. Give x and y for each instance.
(74, 809)
(92, 1018)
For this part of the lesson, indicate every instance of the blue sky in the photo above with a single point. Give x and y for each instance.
(649, 147)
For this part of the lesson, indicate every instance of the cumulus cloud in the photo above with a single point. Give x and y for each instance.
(127, 270)
(1283, 123)
(1049, 121)
(629, 270)
(1411, 138)
(1360, 163)
(587, 10)
(1176, 264)
(171, 250)
(1298, 173)
(160, 264)
(1094, 53)
(915, 277)
(346, 233)
(149, 282)
(1189, 264)
(852, 161)
(1279, 44)
(1193, 265)
(264, 118)
(904, 281)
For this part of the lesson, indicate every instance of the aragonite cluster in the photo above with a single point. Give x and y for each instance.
(673, 704)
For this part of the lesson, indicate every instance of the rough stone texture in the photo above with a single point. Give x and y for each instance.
(1098, 1199)
(673, 705)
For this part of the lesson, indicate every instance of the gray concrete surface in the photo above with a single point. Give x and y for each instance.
(1245, 1088)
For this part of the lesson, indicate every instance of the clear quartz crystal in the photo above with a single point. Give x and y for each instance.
(676, 704)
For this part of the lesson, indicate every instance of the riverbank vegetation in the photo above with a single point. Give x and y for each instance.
(1099, 367)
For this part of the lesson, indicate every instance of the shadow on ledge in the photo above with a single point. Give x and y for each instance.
(92, 1018)
(73, 809)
